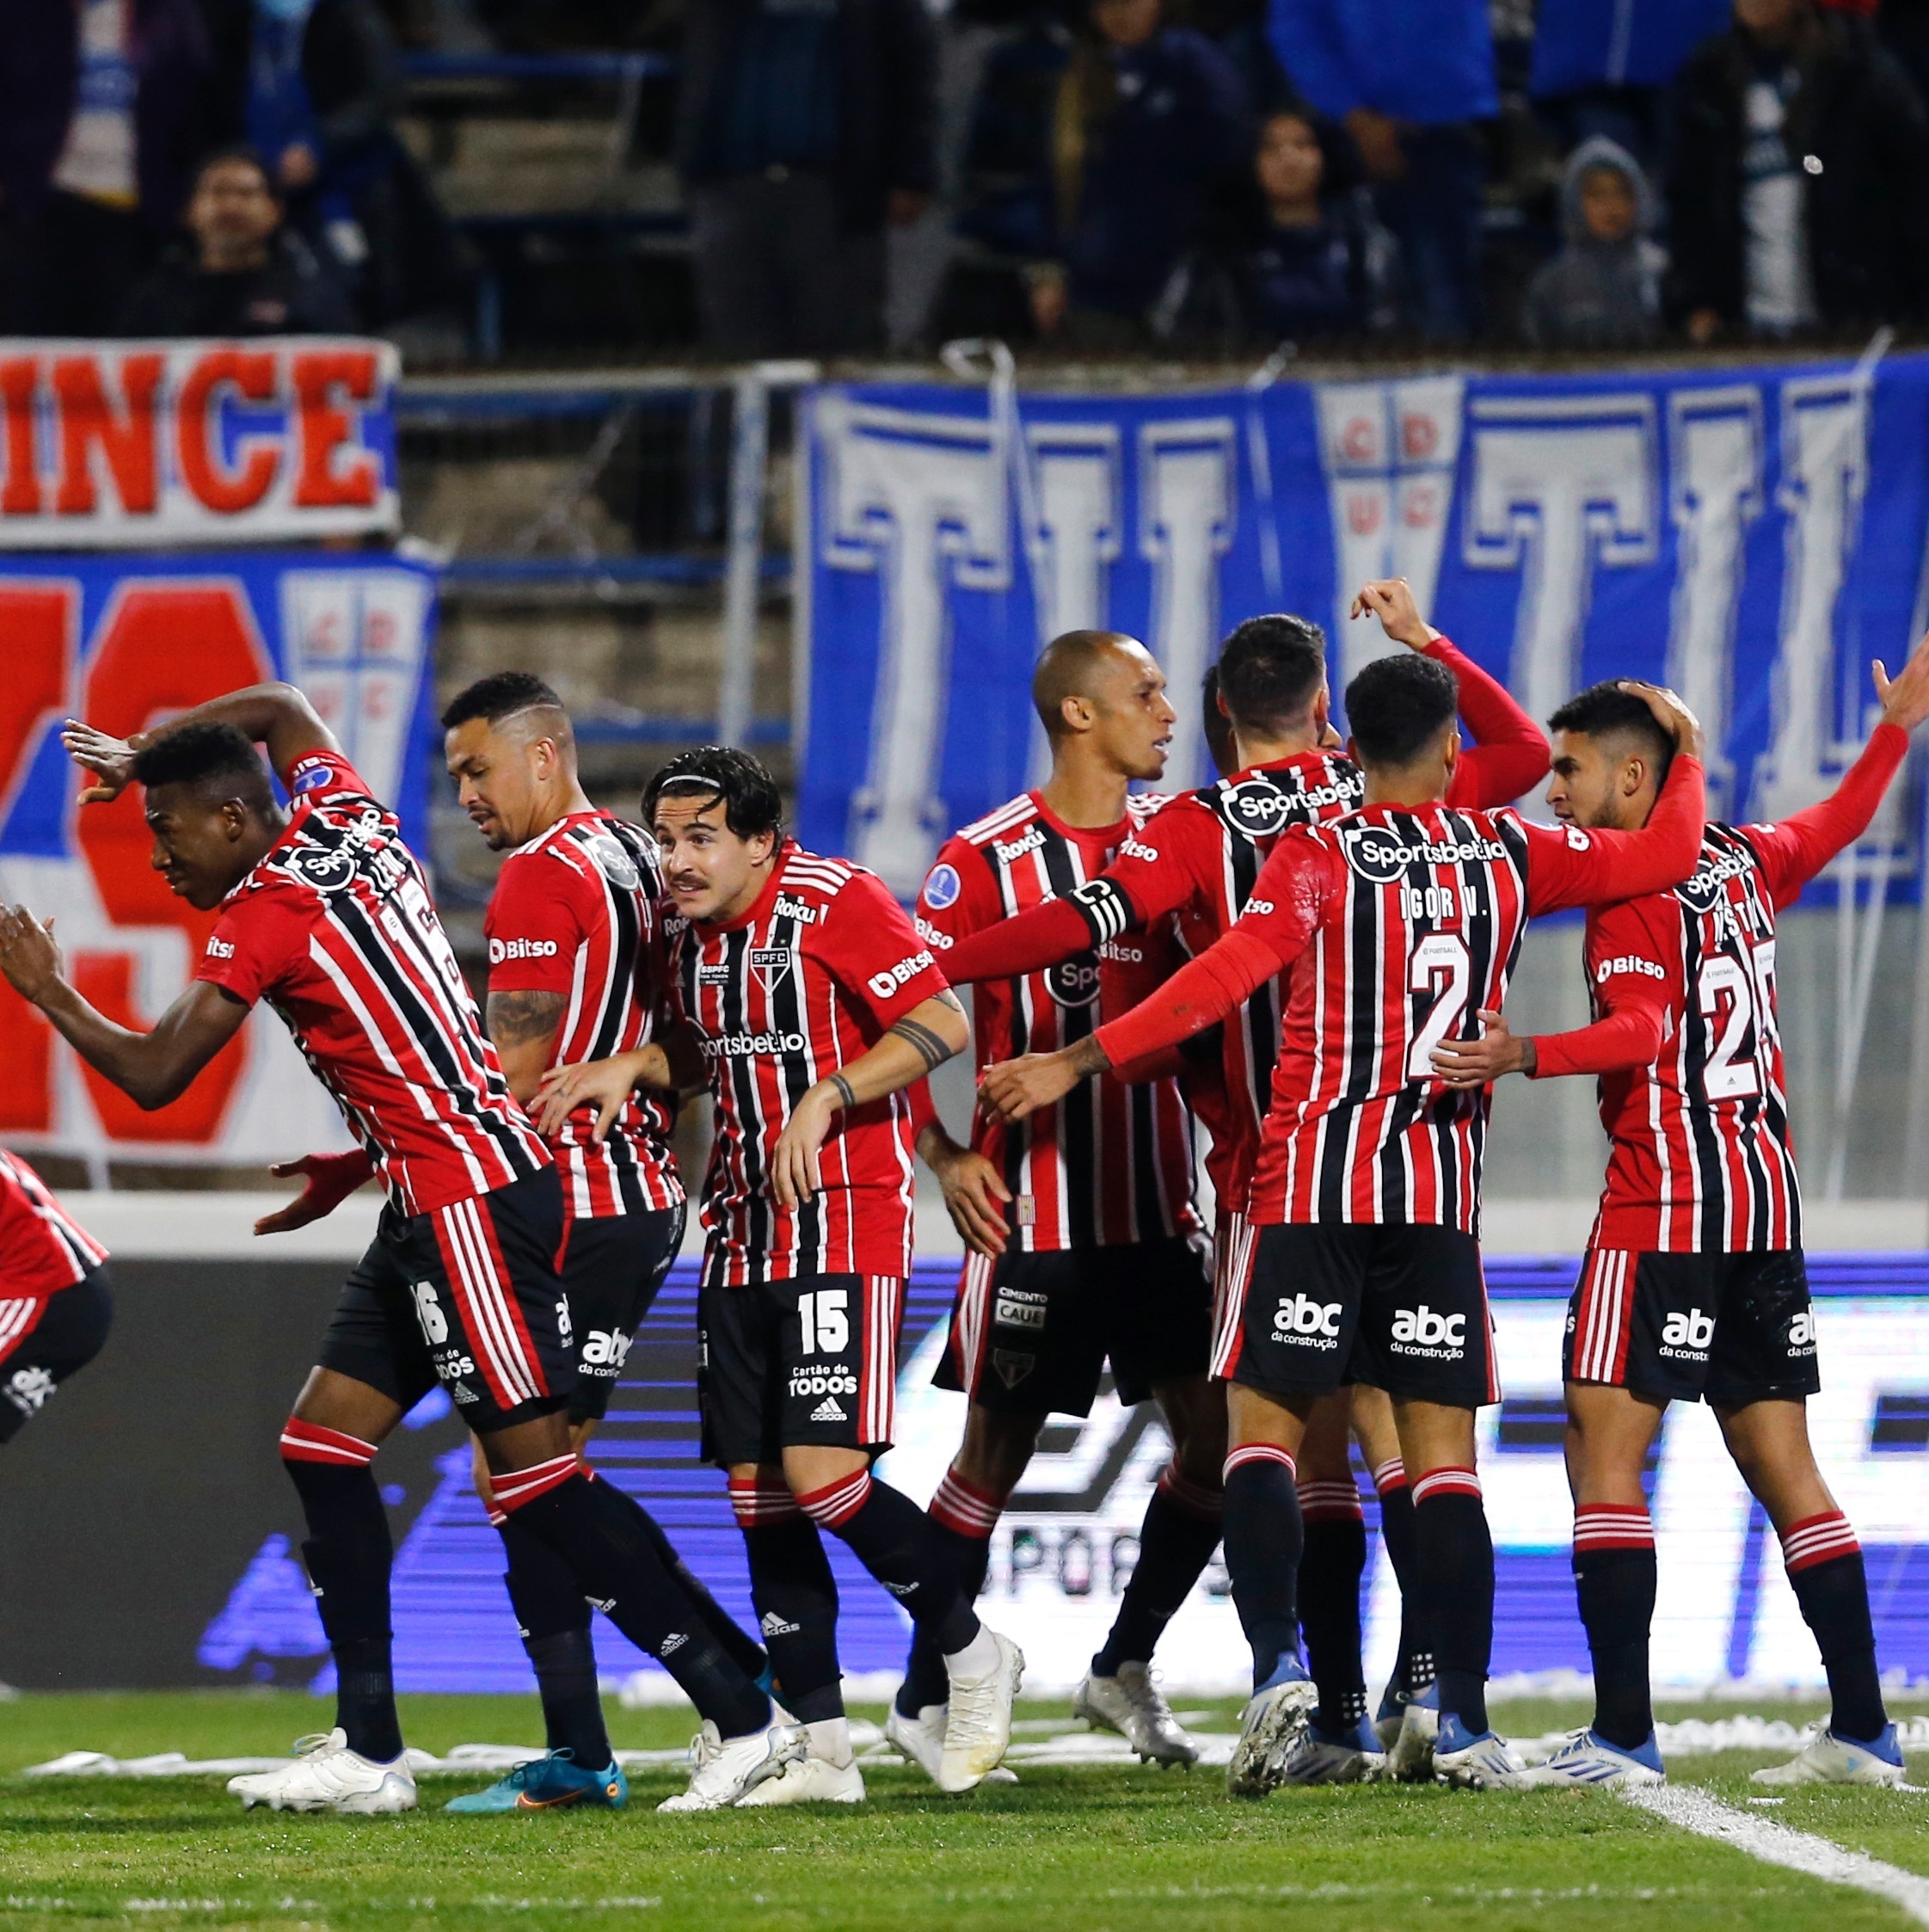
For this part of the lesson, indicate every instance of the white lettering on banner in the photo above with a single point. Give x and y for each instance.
(121, 445)
(1714, 449)
(1825, 471)
(919, 498)
(1389, 450)
(1188, 511)
(1559, 484)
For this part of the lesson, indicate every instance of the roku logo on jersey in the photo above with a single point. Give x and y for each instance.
(885, 984)
(788, 908)
(1421, 1332)
(1017, 848)
(1628, 963)
(739, 1043)
(500, 950)
(1308, 1323)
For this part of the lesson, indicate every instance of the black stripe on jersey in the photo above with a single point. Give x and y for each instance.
(788, 1015)
(733, 1005)
(1078, 1113)
(1364, 940)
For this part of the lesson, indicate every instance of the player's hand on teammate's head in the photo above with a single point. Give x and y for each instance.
(1905, 697)
(1672, 716)
(1013, 1089)
(974, 1192)
(1468, 1063)
(28, 957)
(327, 1180)
(1391, 601)
(111, 760)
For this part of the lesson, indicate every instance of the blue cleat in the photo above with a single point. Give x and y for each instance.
(1587, 1759)
(1830, 1758)
(1317, 1757)
(549, 1783)
(1406, 1733)
(1276, 1717)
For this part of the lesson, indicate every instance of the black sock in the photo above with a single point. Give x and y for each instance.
(1415, 1669)
(898, 1544)
(797, 1600)
(1263, 1539)
(925, 1680)
(1614, 1581)
(553, 1616)
(744, 1651)
(1333, 1561)
(1182, 1526)
(1456, 1578)
(1833, 1595)
(596, 1533)
(347, 1554)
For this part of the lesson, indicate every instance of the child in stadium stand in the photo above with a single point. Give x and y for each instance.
(56, 1298)
(818, 1005)
(325, 914)
(1694, 1286)
(1393, 926)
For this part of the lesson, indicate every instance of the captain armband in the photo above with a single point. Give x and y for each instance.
(1104, 908)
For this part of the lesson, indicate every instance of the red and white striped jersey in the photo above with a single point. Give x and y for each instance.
(42, 1250)
(1398, 926)
(1109, 1163)
(336, 929)
(806, 981)
(578, 912)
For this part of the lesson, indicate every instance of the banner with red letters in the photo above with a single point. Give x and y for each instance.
(134, 445)
(123, 643)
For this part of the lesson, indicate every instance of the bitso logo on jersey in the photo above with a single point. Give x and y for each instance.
(942, 888)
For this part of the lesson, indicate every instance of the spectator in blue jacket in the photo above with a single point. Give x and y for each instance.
(1407, 79)
(1136, 140)
(1304, 275)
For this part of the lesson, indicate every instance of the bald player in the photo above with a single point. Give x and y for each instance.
(1083, 1240)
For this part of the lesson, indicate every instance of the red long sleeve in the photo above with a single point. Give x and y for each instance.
(1168, 1063)
(924, 1108)
(1045, 936)
(1631, 1037)
(1794, 850)
(1509, 755)
(1570, 867)
(1208, 988)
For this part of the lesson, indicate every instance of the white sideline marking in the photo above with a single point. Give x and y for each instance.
(1775, 1844)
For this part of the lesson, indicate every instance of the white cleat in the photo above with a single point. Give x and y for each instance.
(978, 1719)
(1131, 1704)
(1827, 1759)
(325, 1776)
(808, 1780)
(1270, 1728)
(1590, 1762)
(1409, 1752)
(1316, 1756)
(1475, 1763)
(720, 1773)
(921, 1738)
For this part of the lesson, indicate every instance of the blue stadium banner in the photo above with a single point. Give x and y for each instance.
(123, 640)
(1752, 536)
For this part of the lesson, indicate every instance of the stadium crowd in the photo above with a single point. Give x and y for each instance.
(1201, 177)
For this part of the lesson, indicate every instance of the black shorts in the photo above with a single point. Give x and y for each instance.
(811, 1361)
(1030, 1333)
(43, 1342)
(1735, 1329)
(1402, 1309)
(612, 1267)
(469, 1297)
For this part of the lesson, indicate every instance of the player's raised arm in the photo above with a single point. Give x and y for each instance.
(1793, 851)
(276, 715)
(1572, 867)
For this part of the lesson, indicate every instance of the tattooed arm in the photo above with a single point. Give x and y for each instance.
(523, 1027)
(924, 1038)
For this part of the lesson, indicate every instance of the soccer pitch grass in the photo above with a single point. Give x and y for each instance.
(1073, 1847)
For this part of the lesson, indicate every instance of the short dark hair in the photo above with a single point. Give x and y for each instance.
(500, 696)
(752, 802)
(216, 760)
(1397, 705)
(1270, 670)
(239, 150)
(1217, 726)
(1605, 711)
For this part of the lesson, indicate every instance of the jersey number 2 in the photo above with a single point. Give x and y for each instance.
(1443, 969)
(1725, 994)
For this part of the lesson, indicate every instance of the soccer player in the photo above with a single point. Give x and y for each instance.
(1394, 928)
(1693, 1285)
(1196, 861)
(1083, 1241)
(818, 1005)
(325, 914)
(56, 1295)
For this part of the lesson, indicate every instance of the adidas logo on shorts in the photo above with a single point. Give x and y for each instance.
(828, 1410)
(774, 1626)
